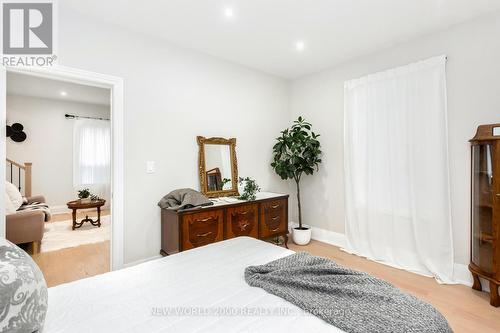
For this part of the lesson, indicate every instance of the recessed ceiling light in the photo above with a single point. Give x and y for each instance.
(300, 45)
(228, 12)
(63, 93)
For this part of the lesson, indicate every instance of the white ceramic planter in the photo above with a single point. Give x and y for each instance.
(301, 237)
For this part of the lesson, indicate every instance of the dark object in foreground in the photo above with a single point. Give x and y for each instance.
(350, 300)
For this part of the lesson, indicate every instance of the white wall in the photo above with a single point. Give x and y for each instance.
(49, 145)
(171, 96)
(473, 70)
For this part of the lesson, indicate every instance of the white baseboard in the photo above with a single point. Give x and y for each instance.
(137, 262)
(325, 236)
(461, 271)
(59, 209)
(462, 274)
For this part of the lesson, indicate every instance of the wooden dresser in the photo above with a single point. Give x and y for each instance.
(263, 218)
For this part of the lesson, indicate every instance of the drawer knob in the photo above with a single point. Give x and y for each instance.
(275, 218)
(274, 230)
(275, 206)
(205, 234)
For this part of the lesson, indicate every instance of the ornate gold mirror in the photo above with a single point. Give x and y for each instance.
(218, 167)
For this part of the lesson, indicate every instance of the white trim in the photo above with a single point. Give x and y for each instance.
(485, 284)
(325, 236)
(462, 275)
(461, 272)
(115, 84)
(329, 237)
(61, 209)
(138, 262)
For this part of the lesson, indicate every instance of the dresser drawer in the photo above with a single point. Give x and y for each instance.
(242, 221)
(202, 228)
(273, 218)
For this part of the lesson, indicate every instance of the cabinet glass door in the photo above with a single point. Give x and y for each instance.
(482, 207)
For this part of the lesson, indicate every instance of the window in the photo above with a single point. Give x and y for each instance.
(91, 153)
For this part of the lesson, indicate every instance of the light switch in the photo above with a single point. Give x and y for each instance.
(150, 167)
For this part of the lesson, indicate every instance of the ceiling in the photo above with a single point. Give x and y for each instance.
(33, 86)
(262, 34)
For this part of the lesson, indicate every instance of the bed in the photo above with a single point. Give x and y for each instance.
(186, 292)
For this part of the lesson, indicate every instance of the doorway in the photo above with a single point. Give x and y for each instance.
(114, 88)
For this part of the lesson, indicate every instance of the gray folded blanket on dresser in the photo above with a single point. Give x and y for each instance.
(184, 198)
(350, 300)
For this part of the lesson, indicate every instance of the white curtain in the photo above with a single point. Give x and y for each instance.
(92, 156)
(396, 169)
(225, 155)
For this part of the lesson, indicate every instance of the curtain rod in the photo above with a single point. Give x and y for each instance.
(74, 116)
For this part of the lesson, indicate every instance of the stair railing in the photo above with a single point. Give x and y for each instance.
(17, 169)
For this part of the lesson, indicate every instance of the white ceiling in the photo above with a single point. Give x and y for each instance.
(33, 86)
(262, 34)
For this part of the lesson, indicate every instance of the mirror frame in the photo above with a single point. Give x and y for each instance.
(202, 141)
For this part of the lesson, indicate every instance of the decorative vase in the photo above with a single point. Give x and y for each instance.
(23, 290)
(301, 236)
(85, 200)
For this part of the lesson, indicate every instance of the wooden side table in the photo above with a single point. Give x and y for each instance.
(77, 204)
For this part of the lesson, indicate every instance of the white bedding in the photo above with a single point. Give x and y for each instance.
(205, 279)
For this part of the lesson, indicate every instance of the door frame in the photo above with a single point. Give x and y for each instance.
(115, 85)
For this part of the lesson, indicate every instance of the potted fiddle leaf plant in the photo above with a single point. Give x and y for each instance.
(297, 152)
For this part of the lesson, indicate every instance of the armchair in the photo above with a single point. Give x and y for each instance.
(26, 226)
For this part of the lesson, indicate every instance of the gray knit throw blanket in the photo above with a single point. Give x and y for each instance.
(350, 300)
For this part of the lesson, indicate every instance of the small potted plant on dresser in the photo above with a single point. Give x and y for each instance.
(249, 188)
(297, 152)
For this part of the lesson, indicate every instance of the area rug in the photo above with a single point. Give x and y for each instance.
(58, 235)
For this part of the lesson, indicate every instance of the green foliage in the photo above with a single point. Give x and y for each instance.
(297, 152)
(224, 182)
(84, 193)
(250, 189)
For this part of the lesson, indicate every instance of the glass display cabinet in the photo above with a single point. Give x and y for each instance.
(485, 209)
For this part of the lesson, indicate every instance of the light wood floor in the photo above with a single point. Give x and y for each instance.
(74, 263)
(465, 309)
